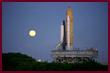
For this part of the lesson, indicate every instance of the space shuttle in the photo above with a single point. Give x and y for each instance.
(66, 32)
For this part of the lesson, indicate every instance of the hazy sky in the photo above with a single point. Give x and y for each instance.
(90, 27)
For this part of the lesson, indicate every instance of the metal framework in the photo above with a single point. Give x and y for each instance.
(74, 55)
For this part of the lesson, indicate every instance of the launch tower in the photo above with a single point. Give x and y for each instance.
(61, 53)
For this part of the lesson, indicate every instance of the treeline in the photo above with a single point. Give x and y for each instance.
(22, 62)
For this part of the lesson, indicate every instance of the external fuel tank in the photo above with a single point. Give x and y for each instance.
(70, 13)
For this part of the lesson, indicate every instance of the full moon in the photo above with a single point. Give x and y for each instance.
(32, 33)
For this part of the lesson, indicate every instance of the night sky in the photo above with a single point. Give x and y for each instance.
(90, 27)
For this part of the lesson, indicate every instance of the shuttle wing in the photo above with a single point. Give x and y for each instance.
(57, 46)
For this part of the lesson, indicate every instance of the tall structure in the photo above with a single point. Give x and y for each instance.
(66, 32)
(63, 54)
(69, 16)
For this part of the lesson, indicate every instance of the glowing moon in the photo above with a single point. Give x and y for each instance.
(32, 33)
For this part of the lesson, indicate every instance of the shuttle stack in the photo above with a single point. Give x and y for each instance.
(67, 40)
(66, 32)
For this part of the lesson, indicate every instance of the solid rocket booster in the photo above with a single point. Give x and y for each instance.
(68, 32)
(70, 13)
